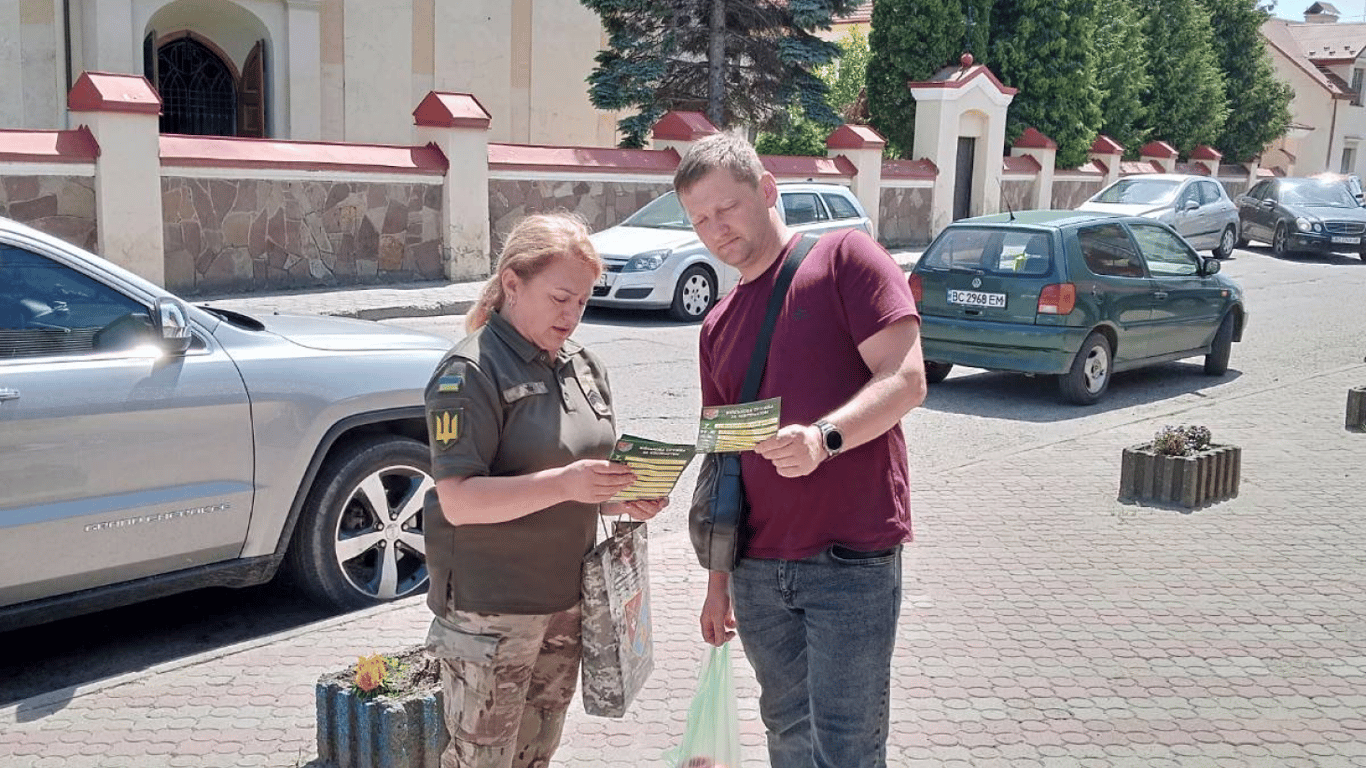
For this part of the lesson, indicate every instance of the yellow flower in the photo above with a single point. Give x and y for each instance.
(370, 672)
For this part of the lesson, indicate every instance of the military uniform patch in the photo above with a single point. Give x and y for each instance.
(446, 426)
(514, 393)
(451, 383)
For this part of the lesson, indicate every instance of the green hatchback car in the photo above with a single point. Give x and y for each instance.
(1073, 294)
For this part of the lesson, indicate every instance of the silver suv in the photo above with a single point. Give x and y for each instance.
(148, 446)
(656, 261)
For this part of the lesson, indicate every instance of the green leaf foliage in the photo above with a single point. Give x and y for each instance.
(1187, 105)
(846, 76)
(659, 58)
(1122, 74)
(1047, 49)
(1259, 102)
(910, 41)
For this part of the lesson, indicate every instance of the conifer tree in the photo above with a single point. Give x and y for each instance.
(1122, 73)
(1047, 49)
(910, 41)
(1259, 102)
(740, 61)
(1187, 105)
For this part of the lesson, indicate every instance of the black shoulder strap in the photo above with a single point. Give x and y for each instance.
(759, 361)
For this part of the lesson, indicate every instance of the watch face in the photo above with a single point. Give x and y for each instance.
(833, 439)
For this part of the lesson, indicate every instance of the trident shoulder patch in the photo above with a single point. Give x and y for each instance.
(447, 426)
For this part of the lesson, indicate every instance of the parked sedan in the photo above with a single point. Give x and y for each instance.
(1298, 214)
(655, 260)
(1195, 206)
(1071, 294)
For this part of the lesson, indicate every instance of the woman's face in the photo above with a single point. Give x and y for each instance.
(547, 307)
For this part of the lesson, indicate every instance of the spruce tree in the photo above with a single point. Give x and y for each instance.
(740, 61)
(1259, 102)
(910, 41)
(1186, 102)
(1047, 49)
(1122, 73)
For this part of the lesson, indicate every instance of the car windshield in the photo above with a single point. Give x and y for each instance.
(1139, 191)
(1322, 194)
(661, 213)
(994, 251)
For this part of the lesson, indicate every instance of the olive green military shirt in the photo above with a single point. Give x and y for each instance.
(500, 406)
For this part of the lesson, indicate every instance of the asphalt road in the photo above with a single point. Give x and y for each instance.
(1306, 319)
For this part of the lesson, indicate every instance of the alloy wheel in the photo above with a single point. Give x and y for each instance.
(379, 536)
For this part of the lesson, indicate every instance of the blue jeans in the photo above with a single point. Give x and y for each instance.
(819, 633)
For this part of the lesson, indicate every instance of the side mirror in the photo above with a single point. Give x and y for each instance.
(1209, 266)
(1268, 204)
(1190, 205)
(172, 325)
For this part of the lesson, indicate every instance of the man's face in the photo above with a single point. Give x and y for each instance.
(733, 219)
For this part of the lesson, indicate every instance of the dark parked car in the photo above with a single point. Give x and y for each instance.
(1077, 295)
(1299, 214)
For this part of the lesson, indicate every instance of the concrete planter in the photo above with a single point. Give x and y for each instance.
(1356, 409)
(1188, 482)
(402, 731)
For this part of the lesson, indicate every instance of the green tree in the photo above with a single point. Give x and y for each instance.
(1122, 73)
(795, 134)
(1260, 103)
(847, 75)
(910, 41)
(1186, 102)
(1047, 49)
(741, 61)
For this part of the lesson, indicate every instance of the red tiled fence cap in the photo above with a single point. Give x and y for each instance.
(1033, 139)
(1105, 145)
(855, 137)
(683, 126)
(1158, 149)
(451, 110)
(108, 92)
(74, 146)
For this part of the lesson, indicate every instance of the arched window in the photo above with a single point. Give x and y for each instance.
(198, 90)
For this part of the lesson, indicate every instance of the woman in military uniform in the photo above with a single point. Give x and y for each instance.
(521, 424)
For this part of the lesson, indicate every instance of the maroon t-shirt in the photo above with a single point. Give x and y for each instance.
(847, 289)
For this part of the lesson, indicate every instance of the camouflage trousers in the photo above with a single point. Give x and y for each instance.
(508, 680)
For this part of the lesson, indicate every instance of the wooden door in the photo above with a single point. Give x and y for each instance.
(962, 181)
(251, 93)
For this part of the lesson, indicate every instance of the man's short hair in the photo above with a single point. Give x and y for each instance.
(720, 150)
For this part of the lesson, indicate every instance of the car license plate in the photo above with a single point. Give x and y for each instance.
(977, 299)
(1346, 240)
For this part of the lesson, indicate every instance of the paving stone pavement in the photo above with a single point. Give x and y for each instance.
(1045, 624)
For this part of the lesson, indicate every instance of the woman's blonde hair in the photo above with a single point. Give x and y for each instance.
(531, 246)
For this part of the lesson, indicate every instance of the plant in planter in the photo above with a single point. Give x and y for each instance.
(383, 711)
(1181, 468)
(1356, 409)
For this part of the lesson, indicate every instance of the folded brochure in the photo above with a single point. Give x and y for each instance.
(738, 427)
(657, 466)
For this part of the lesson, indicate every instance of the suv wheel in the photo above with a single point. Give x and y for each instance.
(1089, 376)
(1226, 243)
(936, 372)
(694, 295)
(359, 540)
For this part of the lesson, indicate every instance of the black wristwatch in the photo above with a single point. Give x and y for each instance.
(831, 436)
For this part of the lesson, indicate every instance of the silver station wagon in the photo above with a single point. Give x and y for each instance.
(148, 446)
(655, 260)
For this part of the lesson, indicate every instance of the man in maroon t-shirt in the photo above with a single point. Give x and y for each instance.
(817, 592)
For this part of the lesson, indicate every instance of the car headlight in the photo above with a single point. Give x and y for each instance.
(646, 262)
(1305, 225)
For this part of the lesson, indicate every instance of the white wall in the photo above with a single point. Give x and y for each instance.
(379, 69)
(473, 54)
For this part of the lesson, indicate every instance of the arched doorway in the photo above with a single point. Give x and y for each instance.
(198, 89)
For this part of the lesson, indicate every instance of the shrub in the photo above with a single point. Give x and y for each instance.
(1181, 441)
